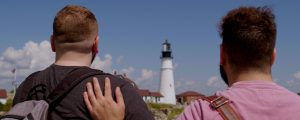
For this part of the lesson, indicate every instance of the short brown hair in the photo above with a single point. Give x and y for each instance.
(74, 28)
(249, 36)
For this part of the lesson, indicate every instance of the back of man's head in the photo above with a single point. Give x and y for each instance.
(249, 36)
(74, 29)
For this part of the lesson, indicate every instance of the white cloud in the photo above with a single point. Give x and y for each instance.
(297, 75)
(146, 74)
(4, 82)
(178, 84)
(190, 82)
(32, 57)
(128, 71)
(212, 80)
(215, 82)
(35, 56)
(104, 65)
(175, 66)
(290, 82)
(120, 59)
(276, 80)
(148, 79)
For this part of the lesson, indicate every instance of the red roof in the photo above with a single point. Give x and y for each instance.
(143, 92)
(189, 93)
(156, 94)
(3, 93)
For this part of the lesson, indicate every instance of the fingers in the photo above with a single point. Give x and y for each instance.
(87, 101)
(97, 88)
(107, 89)
(104, 107)
(119, 97)
(90, 93)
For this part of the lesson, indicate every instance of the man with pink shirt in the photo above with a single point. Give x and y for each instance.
(247, 54)
(252, 100)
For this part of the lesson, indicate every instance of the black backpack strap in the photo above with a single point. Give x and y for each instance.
(221, 104)
(68, 83)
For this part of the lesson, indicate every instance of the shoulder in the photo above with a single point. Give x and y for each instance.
(198, 110)
(29, 80)
(137, 109)
(24, 87)
(32, 77)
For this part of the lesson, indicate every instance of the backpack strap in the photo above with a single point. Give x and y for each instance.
(221, 104)
(68, 83)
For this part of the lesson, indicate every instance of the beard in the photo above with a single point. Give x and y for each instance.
(223, 74)
(93, 57)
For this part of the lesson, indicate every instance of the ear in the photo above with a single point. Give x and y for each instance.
(95, 45)
(222, 55)
(52, 43)
(274, 56)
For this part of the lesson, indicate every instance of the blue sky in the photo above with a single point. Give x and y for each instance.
(131, 34)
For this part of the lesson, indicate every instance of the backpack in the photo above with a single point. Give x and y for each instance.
(38, 109)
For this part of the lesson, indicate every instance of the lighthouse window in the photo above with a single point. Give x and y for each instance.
(165, 48)
(169, 47)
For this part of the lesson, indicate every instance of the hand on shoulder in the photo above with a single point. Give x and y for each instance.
(103, 107)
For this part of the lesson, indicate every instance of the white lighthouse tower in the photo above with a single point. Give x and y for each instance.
(167, 88)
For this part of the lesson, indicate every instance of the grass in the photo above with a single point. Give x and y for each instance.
(159, 106)
(173, 111)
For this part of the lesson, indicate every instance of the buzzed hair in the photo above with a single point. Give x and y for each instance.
(74, 29)
(249, 37)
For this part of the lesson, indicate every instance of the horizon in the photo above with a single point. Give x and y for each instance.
(132, 32)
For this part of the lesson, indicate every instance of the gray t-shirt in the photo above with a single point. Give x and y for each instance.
(72, 106)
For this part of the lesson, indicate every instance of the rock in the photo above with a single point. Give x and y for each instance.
(158, 114)
(165, 112)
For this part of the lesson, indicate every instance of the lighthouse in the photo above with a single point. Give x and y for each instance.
(167, 88)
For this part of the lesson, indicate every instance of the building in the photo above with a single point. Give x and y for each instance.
(3, 96)
(150, 97)
(167, 88)
(188, 97)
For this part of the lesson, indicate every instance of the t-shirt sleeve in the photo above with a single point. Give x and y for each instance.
(23, 89)
(199, 110)
(19, 96)
(21, 93)
(192, 112)
(135, 107)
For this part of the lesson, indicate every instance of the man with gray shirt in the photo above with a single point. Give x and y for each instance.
(75, 42)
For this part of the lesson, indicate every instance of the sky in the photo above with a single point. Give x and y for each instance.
(131, 35)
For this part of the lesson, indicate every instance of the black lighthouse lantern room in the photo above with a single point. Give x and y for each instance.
(166, 50)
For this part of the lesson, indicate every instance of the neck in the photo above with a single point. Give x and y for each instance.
(250, 76)
(73, 59)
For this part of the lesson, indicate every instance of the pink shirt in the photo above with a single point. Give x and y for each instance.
(253, 100)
